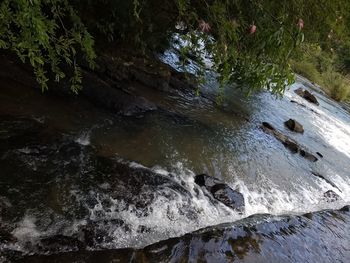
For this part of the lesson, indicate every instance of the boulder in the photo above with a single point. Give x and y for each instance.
(307, 95)
(295, 126)
(221, 192)
(331, 196)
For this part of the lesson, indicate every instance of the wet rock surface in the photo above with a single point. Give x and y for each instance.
(289, 143)
(221, 191)
(75, 186)
(295, 126)
(109, 95)
(260, 238)
(307, 95)
(138, 71)
(325, 179)
(98, 89)
(59, 244)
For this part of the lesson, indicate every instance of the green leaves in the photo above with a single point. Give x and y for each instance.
(48, 34)
(257, 59)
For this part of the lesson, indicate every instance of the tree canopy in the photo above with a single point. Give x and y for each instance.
(249, 42)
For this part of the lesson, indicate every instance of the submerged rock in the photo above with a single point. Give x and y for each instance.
(325, 179)
(95, 233)
(304, 106)
(308, 156)
(290, 144)
(295, 126)
(60, 243)
(5, 236)
(307, 96)
(331, 196)
(221, 191)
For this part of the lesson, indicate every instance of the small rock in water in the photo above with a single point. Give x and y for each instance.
(206, 181)
(310, 97)
(308, 156)
(319, 154)
(295, 126)
(307, 96)
(268, 126)
(221, 191)
(228, 196)
(290, 144)
(325, 179)
(331, 196)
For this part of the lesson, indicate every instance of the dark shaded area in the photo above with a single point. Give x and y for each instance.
(115, 84)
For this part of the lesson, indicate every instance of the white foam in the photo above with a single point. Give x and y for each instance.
(168, 218)
(84, 138)
(26, 229)
(181, 214)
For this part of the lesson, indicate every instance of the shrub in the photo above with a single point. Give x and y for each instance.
(47, 34)
(248, 42)
(336, 85)
(307, 70)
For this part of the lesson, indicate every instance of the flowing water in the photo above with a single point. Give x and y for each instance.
(59, 177)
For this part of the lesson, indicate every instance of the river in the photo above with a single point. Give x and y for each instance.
(65, 167)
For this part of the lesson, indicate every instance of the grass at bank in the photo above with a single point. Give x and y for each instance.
(324, 69)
